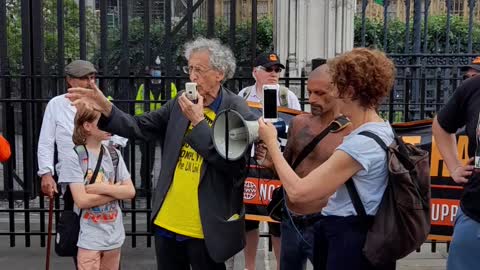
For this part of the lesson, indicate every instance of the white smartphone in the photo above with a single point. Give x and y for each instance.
(191, 91)
(270, 102)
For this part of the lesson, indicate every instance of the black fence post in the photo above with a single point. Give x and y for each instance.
(60, 47)
(103, 45)
(407, 26)
(425, 25)
(190, 19)
(386, 3)
(125, 57)
(210, 18)
(253, 35)
(364, 14)
(32, 181)
(82, 30)
(471, 6)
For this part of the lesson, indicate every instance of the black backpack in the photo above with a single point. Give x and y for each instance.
(68, 225)
(402, 222)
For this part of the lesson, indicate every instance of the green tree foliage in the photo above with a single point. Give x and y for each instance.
(241, 49)
(135, 39)
(436, 37)
(71, 33)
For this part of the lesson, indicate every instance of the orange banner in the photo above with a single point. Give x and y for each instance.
(259, 191)
(444, 211)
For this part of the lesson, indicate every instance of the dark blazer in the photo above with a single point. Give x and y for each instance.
(220, 191)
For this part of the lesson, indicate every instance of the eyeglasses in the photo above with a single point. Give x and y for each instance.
(270, 69)
(197, 70)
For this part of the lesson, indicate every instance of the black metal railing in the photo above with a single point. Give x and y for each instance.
(428, 71)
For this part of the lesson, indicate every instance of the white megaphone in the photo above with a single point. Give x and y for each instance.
(232, 134)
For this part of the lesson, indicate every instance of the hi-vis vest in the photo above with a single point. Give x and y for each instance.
(283, 95)
(153, 105)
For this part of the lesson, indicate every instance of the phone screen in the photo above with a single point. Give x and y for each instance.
(270, 103)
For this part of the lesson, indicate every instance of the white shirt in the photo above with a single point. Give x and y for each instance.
(292, 99)
(57, 127)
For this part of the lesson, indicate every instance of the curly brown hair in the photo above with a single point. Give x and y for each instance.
(365, 75)
(83, 115)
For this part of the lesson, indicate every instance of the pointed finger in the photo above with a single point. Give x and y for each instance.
(79, 103)
(78, 90)
(93, 86)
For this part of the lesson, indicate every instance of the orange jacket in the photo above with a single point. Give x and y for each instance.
(5, 151)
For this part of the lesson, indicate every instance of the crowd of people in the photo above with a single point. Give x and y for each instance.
(198, 214)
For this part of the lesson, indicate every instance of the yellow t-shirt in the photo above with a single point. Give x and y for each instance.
(180, 212)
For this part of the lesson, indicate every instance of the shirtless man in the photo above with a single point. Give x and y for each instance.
(296, 248)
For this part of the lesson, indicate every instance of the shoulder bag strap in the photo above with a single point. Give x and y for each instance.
(95, 173)
(97, 167)
(335, 126)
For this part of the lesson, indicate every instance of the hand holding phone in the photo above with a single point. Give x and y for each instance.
(191, 91)
(270, 102)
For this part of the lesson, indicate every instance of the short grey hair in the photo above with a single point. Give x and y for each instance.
(221, 57)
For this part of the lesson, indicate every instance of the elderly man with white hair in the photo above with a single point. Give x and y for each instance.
(197, 213)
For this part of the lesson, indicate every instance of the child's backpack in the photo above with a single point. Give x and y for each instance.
(402, 222)
(68, 226)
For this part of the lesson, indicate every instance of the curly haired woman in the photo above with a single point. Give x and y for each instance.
(362, 77)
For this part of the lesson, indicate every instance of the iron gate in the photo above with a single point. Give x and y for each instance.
(428, 72)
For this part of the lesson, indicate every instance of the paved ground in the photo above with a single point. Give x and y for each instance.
(143, 258)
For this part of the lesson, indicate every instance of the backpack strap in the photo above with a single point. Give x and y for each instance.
(352, 190)
(375, 138)
(283, 96)
(356, 201)
(82, 154)
(247, 92)
(115, 159)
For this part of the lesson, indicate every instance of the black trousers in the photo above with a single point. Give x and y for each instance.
(147, 151)
(339, 242)
(180, 255)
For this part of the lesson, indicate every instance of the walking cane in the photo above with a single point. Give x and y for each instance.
(49, 237)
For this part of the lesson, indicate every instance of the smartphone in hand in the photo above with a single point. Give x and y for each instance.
(191, 91)
(269, 103)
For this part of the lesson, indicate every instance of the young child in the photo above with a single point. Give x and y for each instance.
(101, 226)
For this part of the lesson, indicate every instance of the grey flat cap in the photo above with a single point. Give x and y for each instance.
(79, 68)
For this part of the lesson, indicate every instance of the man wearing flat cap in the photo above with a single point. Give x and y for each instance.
(472, 70)
(57, 126)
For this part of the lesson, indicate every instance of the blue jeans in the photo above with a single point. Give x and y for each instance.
(339, 242)
(463, 252)
(297, 246)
